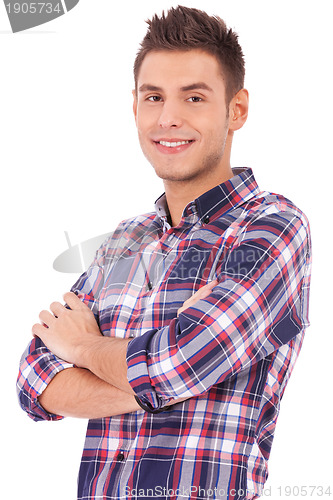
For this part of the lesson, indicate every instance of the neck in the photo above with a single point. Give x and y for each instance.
(180, 193)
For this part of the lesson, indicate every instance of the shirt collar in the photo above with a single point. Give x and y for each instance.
(217, 201)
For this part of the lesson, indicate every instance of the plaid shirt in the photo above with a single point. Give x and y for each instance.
(231, 353)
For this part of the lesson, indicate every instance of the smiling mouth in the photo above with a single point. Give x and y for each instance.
(173, 144)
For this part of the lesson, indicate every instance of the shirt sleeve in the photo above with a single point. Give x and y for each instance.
(38, 364)
(259, 304)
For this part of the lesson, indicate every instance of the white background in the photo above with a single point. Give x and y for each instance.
(70, 161)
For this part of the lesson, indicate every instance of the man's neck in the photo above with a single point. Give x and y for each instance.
(179, 194)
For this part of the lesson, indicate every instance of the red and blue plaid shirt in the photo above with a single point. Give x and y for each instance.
(231, 353)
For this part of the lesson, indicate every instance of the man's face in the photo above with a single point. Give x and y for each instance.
(181, 114)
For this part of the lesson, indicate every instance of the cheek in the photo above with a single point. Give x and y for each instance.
(147, 117)
(212, 130)
(142, 131)
(214, 139)
(208, 123)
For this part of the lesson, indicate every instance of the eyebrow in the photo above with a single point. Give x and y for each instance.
(196, 86)
(146, 87)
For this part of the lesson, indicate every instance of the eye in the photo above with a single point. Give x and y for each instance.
(195, 98)
(154, 98)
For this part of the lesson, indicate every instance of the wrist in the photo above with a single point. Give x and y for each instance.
(86, 351)
(106, 358)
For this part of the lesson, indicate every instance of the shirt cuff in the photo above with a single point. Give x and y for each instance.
(138, 375)
(149, 409)
(36, 372)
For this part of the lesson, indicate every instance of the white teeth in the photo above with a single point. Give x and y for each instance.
(173, 144)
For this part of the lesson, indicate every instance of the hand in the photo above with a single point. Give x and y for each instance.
(202, 293)
(67, 331)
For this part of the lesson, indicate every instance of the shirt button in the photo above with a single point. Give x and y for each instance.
(206, 219)
(120, 457)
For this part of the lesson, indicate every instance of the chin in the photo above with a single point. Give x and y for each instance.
(176, 176)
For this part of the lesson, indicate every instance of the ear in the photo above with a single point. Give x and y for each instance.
(238, 110)
(135, 105)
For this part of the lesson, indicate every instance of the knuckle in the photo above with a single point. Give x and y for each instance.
(36, 328)
(64, 312)
(67, 297)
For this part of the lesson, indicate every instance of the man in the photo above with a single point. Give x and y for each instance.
(178, 341)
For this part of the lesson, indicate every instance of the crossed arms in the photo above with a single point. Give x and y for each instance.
(253, 310)
(97, 387)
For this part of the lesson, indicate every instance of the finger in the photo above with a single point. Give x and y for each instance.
(188, 303)
(206, 289)
(200, 294)
(46, 317)
(203, 291)
(38, 330)
(73, 300)
(209, 285)
(57, 308)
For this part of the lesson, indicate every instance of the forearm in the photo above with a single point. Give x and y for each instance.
(76, 392)
(73, 335)
(106, 358)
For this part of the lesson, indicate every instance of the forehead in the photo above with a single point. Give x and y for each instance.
(175, 68)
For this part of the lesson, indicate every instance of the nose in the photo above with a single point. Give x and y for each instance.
(170, 115)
